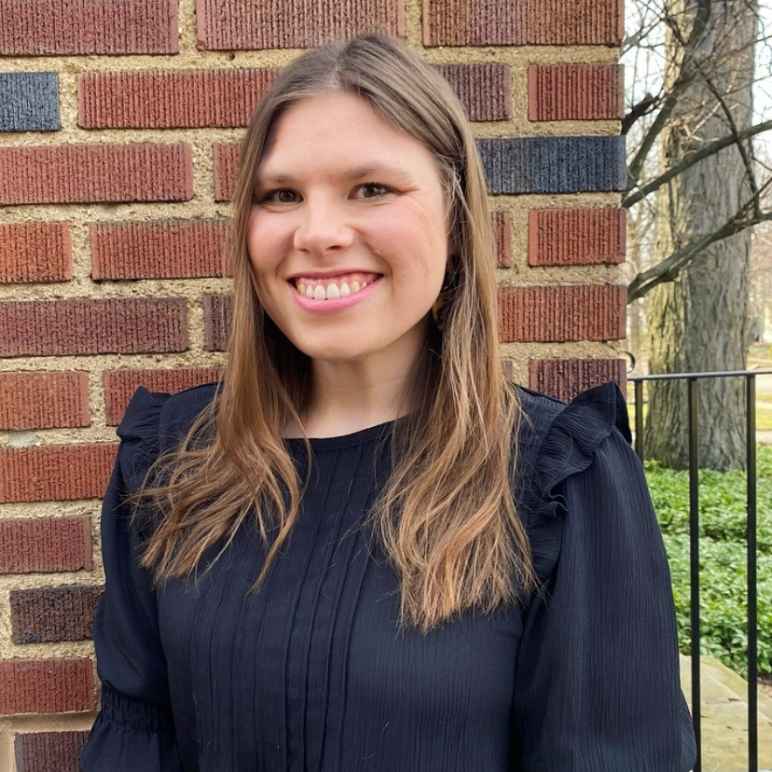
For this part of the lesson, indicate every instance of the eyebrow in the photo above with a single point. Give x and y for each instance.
(354, 173)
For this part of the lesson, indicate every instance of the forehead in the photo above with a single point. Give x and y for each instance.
(339, 135)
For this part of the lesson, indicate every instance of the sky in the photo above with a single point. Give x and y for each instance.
(648, 75)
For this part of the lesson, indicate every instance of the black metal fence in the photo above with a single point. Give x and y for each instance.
(692, 380)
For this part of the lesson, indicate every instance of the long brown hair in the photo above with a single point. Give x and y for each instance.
(446, 517)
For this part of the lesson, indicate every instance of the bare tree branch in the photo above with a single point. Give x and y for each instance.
(669, 268)
(683, 78)
(644, 107)
(691, 159)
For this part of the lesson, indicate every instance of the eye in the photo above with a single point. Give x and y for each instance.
(270, 196)
(384, 188)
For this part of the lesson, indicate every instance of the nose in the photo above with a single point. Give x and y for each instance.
(323, 226)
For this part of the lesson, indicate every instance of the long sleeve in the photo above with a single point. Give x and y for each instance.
(597, 680)
(134, 729)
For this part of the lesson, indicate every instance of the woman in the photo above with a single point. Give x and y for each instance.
(471, 577)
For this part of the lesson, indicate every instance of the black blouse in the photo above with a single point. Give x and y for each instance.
(311, 672)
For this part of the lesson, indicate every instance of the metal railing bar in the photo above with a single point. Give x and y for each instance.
(718, 374)
(750, 441)
(694, 562)
(694, 527)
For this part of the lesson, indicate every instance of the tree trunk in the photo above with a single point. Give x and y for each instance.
(700, 322)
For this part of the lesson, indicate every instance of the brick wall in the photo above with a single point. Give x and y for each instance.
(119, 123)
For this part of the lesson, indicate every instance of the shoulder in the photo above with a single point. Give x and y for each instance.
(153, 421)
(559, 439)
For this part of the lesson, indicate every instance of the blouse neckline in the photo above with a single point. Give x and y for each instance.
(350, 440)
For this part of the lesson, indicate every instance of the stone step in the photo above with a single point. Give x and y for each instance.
(724, 716)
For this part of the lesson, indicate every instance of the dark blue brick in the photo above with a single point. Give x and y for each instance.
(29, 101)
(553, 164)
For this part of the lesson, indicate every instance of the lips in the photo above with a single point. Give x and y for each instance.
(333, 305)
(375, 278)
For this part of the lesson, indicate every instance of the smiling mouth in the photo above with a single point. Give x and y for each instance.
(351, 293)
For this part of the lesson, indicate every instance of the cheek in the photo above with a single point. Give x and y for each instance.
(261, 243)
(418, 245)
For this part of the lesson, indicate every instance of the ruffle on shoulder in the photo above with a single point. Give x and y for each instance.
(567, 447)
(139, 432)
(574, 434)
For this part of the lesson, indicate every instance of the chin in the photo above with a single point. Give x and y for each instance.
(335, 354)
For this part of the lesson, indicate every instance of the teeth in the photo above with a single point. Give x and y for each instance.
(333, 290)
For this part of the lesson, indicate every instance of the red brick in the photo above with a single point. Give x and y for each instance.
(52, 614)
(485, 90)
(234, 24)
(163, 249)
(92, 173)
(56, 472)
(217, 321)
(119, 385)
(38, 27)
(576, 23)
(44, 400)
(170, 99)
(46, 686)
(523, 22)
(93, 326)
(226, 165)
(581, 92)
(558, 236)
(35, 252)
(45, 545)
(565, 378)
(502, 231)
(562, 313)
(49, 751)
(465, 23)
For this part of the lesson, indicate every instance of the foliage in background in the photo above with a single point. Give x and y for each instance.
(723, 596)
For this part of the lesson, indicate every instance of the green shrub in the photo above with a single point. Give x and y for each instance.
(723, 597)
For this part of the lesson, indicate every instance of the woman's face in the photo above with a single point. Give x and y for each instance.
(340, 190)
